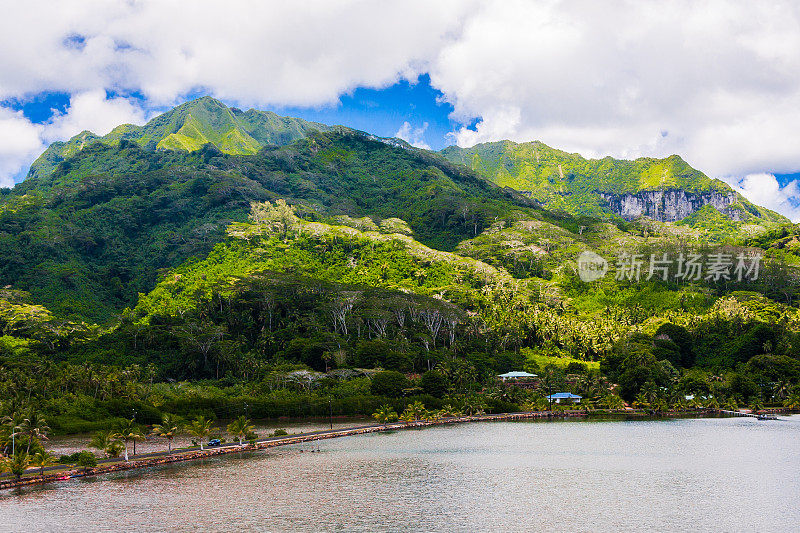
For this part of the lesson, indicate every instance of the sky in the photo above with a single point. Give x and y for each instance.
(717, 82)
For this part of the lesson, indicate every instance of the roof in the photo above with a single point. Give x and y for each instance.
(517, 374)
(563, 396)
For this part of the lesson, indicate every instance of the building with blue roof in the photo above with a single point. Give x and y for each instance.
(565, 397)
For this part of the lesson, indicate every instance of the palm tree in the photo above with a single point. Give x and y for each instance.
(240, 428)
(12, 423)
(448, 410)
(43, 460)
(473, 405)
(168, 428)
(385, 414)
(414, 411)
(18, 463)
(34, 426)
(107, 441)
(128, 432)
(200, 427)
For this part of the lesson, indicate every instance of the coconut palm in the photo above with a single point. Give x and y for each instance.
(114, 448)
(385, 414)
(240, 428)
(414, 411)
(35, 427)
(129, 432)
(107, 441)
(18, 463)
(448, 411)
(793, 401)
(200, 427)
(168, 428)
(42, 460)
(11, 425)
(473, 406)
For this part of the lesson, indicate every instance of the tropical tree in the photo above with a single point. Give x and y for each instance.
(448, 411)
(35, 427)
(11, 430)
(42, 460)
(128, 431)
(414, 411)
(240, 428)
(17, 463)
(612, 401)
(385, 414)
(107, 441)
(793, 401)
(473, 405)
(114, 448)
(168, 429)
(200, 427)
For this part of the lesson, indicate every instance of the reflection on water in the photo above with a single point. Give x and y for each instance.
(682, 475)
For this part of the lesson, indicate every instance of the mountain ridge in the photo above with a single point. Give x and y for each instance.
(606, 186)
(188, 127)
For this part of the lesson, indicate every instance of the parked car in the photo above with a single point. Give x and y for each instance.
(214, 442)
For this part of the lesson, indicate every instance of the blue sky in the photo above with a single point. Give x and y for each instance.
(718, 84)
(378, 111)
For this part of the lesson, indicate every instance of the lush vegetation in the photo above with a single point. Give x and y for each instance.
(568, 182)
(344, 274)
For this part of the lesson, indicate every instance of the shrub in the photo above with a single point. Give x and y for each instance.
(388, 383)
(434, 383)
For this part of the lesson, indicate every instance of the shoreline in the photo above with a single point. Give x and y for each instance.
(271, 442)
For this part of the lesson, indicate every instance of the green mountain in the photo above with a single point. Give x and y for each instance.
(189, 127)
(662, 189)
(261, 251)
(91, 236)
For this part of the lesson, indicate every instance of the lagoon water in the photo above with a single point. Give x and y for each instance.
(712, 474)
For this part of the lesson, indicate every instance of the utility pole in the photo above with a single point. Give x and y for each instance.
(330, 408)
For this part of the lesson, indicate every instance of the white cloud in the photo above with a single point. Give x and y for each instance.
(21, 141)
(764, 190)
(255, 52)
(94, 112)
(413, 136)
(718, 82)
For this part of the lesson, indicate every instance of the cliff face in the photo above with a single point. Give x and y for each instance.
(669, 205)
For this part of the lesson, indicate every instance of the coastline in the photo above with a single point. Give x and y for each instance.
(271, 442)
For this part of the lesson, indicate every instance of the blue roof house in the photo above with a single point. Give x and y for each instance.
(564, 397)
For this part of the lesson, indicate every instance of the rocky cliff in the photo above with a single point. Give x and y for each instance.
(672, 205)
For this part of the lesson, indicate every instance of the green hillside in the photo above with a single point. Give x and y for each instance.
(88, 238)
(279, 264)
(569, 182)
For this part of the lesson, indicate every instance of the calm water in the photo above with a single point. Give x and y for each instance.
(681, 475)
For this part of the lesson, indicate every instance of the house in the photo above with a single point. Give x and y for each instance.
(516, 375)
(564, 397)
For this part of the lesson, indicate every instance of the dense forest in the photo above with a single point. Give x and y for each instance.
(344, 272)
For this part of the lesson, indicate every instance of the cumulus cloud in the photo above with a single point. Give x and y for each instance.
(413, 136)
(21, 141)
(764, 190)
(95, 112)
(718, 82)
(289, 53)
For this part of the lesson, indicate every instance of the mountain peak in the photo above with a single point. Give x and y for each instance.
(188, 127)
